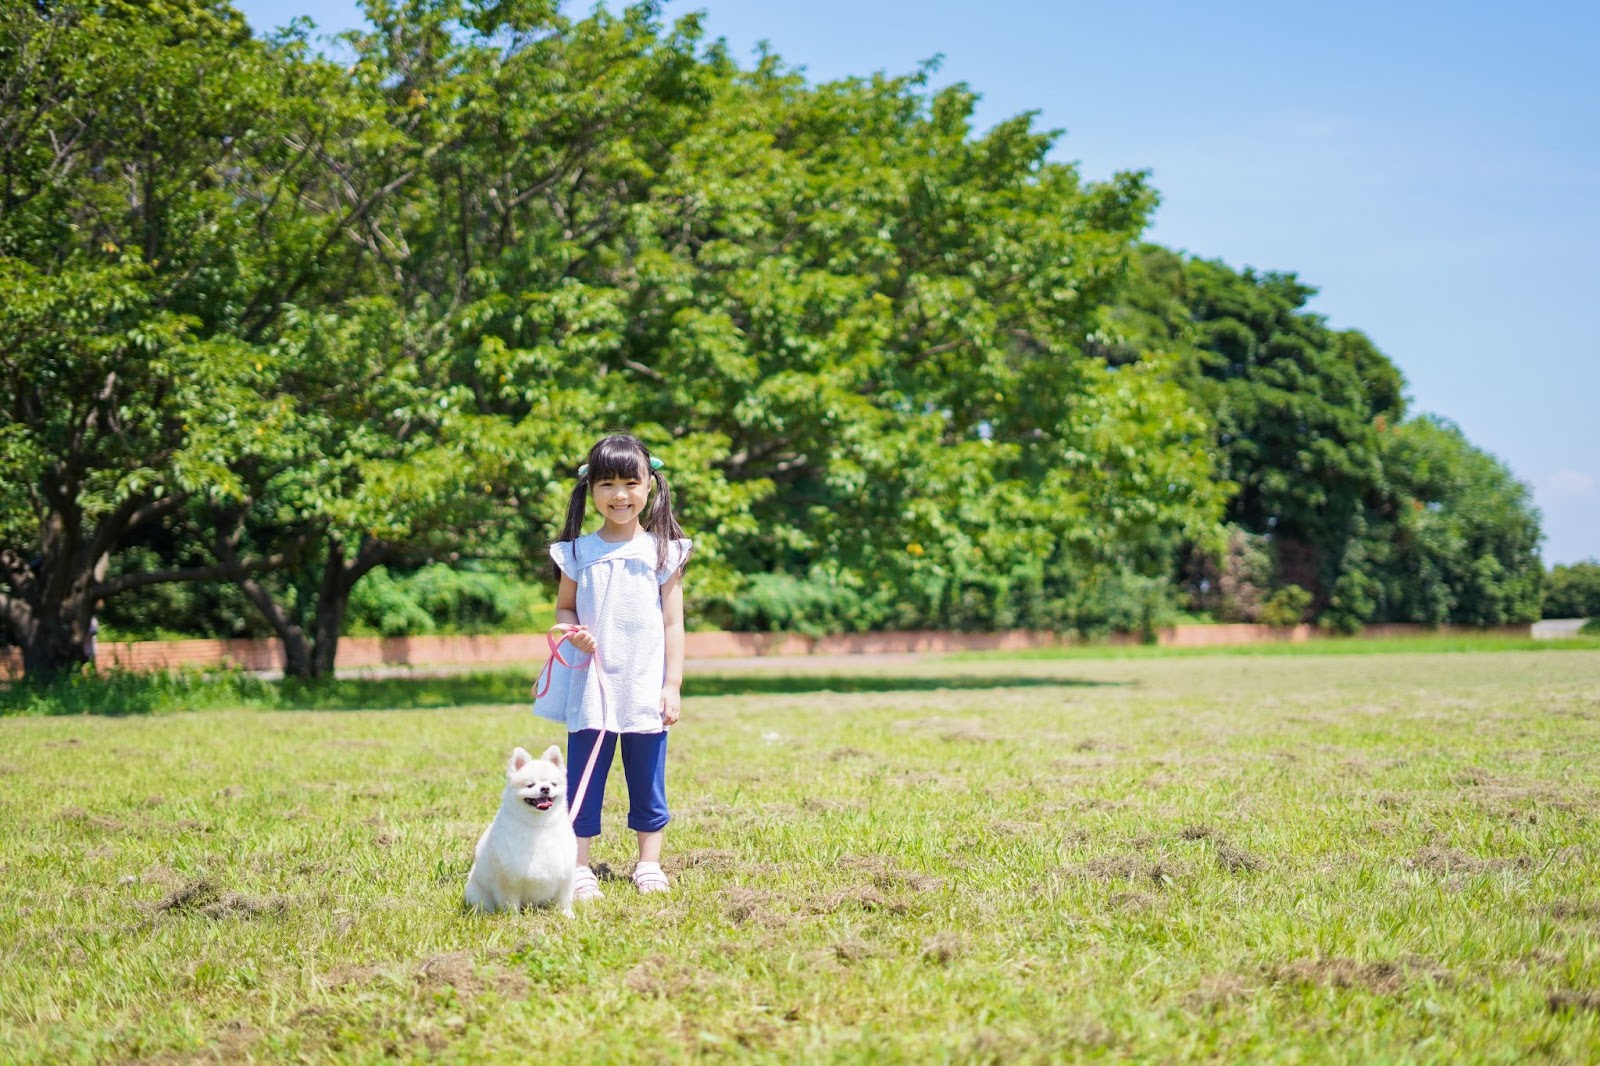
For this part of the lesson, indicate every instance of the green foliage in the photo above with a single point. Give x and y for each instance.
(1456, 540)
(306, 328)
(1573, 591)
(1377, 517)
(1286, 607)
(438, 598)
(785, 603)
(122, 692)
(1233, 585)
(1294, 404)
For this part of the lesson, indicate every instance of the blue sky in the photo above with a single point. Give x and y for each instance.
(1433, 168)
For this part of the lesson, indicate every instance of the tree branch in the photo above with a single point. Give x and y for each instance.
(224, 571)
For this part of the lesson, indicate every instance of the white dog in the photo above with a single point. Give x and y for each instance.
(528, 855)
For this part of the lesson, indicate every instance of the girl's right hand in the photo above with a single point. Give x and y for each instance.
(579, 634)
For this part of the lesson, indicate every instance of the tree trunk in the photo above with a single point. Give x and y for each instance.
(50, 625)
(310, 657)
(330, 620)
(52, 647)
(331, 601)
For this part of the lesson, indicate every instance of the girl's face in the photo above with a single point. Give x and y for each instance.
(620, 499)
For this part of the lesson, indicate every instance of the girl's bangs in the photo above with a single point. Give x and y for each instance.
(616, 460)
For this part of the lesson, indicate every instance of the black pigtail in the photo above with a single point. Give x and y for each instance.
(661, 522)
(573, 526)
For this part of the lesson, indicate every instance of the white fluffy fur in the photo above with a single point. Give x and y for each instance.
(527, 857)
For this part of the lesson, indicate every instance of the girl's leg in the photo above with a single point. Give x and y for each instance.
(579, 746)
(586, 826)
(644, 763)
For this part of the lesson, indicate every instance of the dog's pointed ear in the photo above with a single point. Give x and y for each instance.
(553, 754)
(519, 759)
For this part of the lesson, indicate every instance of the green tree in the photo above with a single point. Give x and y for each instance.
(1455, 538)
(1573, 591)
(884, 315)
(171, 188)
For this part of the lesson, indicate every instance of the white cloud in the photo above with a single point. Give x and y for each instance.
(1567, 483)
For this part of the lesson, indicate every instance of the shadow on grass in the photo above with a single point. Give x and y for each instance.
(482, 689)
(786, 684)
(119, 694)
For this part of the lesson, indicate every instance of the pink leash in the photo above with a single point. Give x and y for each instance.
(543, 686)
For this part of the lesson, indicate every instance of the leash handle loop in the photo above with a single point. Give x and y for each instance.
(545, 676)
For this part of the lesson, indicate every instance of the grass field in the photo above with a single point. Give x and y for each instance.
(1293, 858)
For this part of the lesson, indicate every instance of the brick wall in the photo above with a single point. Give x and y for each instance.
(510, 649)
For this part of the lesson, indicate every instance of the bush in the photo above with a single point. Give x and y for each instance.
(1286, 607)
(438, 598)
(1232, 587)
(784, 603)
(1121, 601)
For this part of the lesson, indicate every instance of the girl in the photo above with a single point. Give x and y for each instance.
(621, 594)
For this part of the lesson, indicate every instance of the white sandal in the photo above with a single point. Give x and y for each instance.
(585, 886)
(648, 878)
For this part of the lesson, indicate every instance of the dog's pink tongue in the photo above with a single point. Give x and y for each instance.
(545, 804)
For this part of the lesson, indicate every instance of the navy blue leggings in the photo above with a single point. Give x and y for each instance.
(644, 764)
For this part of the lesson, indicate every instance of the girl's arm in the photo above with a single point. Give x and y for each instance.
(567, 616)
(672, 620)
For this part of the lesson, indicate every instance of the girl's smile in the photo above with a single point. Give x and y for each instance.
(621, 501)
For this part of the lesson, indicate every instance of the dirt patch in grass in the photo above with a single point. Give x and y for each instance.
(867, 899)
(233, 1038)
(1384, 976)
(1569, 1000)
(870, 864)
(1452, 862)
(453, 969)
(913, 882)
(1233, 858)
(1574, 910)
(1137, 868)
(205, 898)
(888, 875)
(853, 949)
(748, 905)
(79, 816)
(941, 948)
(840, 754)
(711, 860)
(1218, 991)
(347, 975)
(939, 782)
(663, 977)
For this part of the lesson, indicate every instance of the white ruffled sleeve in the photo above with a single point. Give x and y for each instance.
(677, 555)
(561, 552)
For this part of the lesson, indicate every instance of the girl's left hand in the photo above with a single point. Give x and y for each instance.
(669, 705)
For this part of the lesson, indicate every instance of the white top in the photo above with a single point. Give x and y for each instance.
(619, 599)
